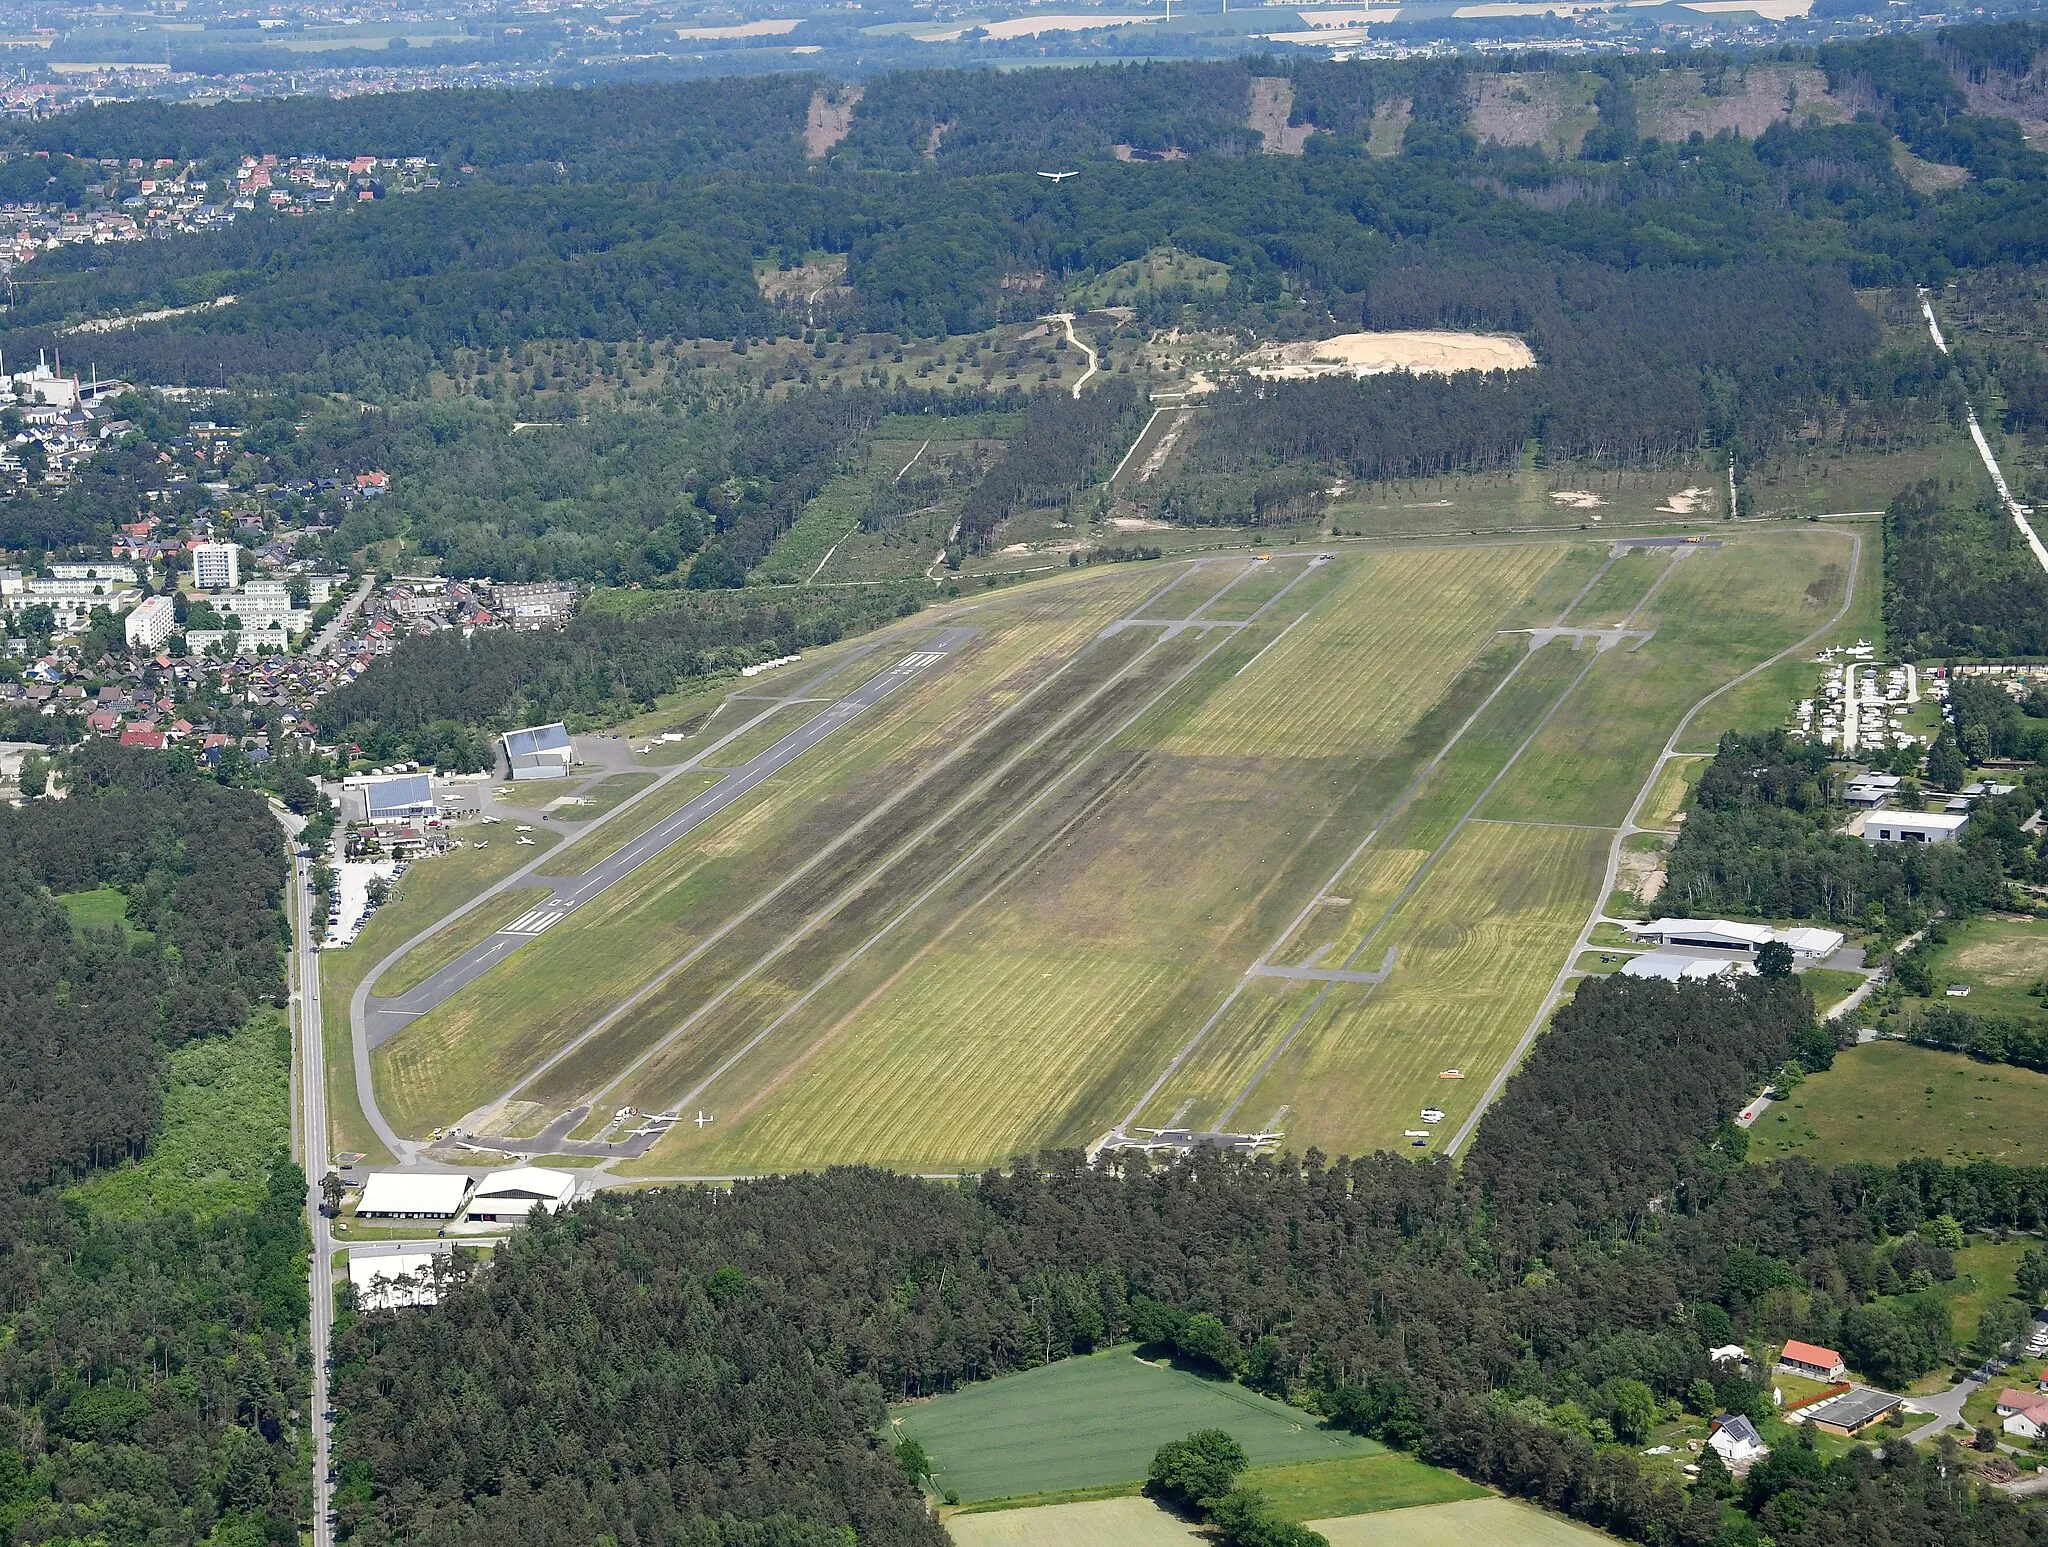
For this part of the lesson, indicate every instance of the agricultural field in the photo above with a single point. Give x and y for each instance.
(1466, 1521)
(1887, 1101)
(1096, 1420)
(991, 912)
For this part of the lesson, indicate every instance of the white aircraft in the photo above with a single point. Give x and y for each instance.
(1058, 177)
(527, 841)
(484, 843)
(522, 828)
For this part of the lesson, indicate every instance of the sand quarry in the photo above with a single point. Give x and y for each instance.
(1424, 352)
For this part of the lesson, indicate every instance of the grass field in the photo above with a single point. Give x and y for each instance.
(2000, 959)
(104, 907)
(1483, 1521)
(1086, 1422)
(432, 889)
(1357, 1485)
(1829, 988)
(605, 796)
(1486, 1522)
(1886, 1101)
(1523, 500)
(986, 915)
(226, 1122)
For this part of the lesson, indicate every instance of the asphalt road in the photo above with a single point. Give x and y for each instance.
(312, 1083)
(385, 1018)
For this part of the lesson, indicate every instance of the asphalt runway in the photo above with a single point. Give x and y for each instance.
(385, 1018)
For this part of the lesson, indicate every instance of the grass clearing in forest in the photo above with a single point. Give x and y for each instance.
(226, 1122)
(1097, 1419)
(104, 907)
(1885, 1102)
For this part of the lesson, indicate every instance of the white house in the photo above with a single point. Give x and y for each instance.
(413, 1195)
(1736, 1442)
(1913, 826)
(2025, 1413)
(1812, 1360)
(507, 1197)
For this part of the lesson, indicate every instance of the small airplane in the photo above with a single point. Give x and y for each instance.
(1432, 1115)
(522, 828)
(527, 841)
(1058, 177)
(483, 843)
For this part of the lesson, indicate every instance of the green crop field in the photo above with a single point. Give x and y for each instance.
(1357, 1485)
(1086, 1422)
(1463, 1521)
(1887, 1101)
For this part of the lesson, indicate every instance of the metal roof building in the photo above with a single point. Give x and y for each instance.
(538, 751)
(509, 1196)
(399, 798)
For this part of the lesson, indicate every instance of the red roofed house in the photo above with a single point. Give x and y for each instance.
(2025, 1412)
(1811, 1359)
(143, 736)
(102, 722)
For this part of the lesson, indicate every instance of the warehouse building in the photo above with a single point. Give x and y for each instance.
(1913, 826)
(507, 1197)
(413, 1195)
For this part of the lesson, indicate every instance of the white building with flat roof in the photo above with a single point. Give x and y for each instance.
(412, 1195)
(1913, 826)
(1808, 944)
(151, 623)
(216, 566)
(389, 1278)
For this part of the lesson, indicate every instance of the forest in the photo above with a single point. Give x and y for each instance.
(1959, 579)
(153, 1375)
(1761, 841)
(1514, 1320)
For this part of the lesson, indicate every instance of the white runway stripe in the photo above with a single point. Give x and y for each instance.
(532, 922)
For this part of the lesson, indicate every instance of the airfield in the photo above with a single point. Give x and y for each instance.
(1297, 844)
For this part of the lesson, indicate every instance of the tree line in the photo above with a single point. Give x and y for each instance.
(1522, 1321)
(435, 690)
(1761, 841)
(153, 1379)
(1959, 579)
(1064, 444)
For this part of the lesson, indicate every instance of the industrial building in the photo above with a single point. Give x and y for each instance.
(538, 752)
(1913, 826)
(1808, 944)
(413, 1195)
(388, 1278)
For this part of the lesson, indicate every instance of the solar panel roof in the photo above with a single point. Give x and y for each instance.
(536, 738)
(399, 794)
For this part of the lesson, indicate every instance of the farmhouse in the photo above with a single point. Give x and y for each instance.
(1852, 1411)
(538, 752)
(1913, 826)
(1736, 1442)
(509, 1196)
(413, 1195)
(1811, 1359)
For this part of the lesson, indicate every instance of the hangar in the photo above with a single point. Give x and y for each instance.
(509, 1196)
(413, 1195)
(538, 751)
(399, 798)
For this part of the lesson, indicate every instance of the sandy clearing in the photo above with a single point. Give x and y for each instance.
(1578, 499)
(1272, 104)
(1164, 449)
(1684, 502)
(752, 29)
(1139, 524)
(1426, 352)
(828, 121)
